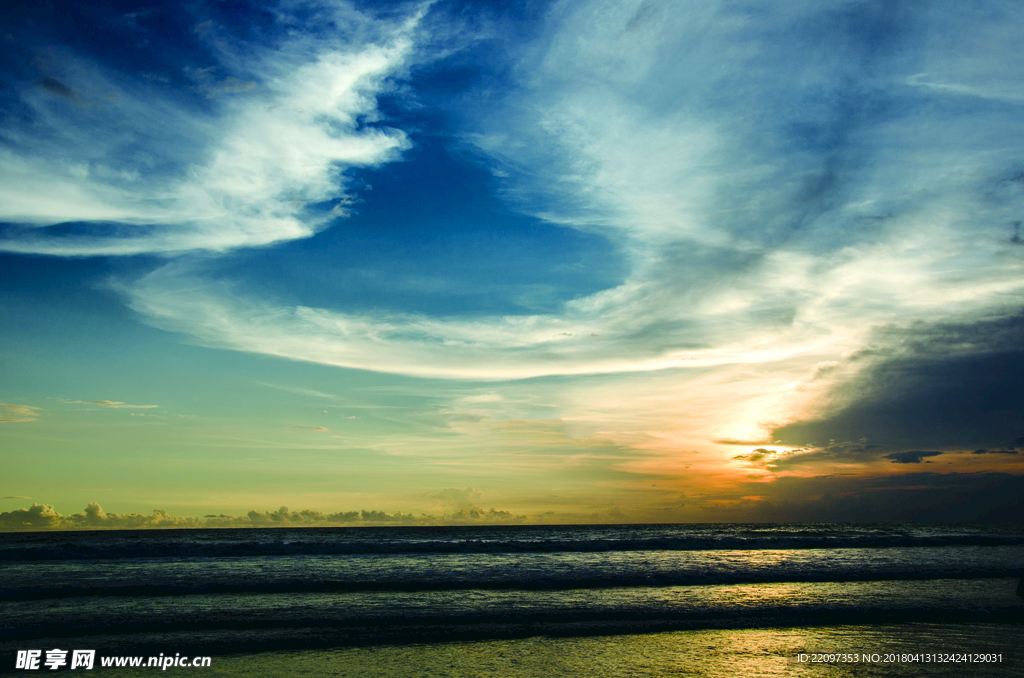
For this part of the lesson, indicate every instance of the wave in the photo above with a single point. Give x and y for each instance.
(419, 618)
(532, 582)
(391, 541)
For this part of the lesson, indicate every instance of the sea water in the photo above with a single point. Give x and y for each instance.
(520, 600)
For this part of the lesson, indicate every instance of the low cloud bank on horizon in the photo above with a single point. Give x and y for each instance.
(910, 497)
(45, 517)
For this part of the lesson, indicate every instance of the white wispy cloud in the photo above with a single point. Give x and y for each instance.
(1000, 91)
(248, 175)
(112, 404)
(315, 429)
(312, 393)
(482, 398)
(18, 413)
(758, 229)
(783, 307)
(608, 337)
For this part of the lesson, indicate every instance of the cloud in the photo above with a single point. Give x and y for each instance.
(976, 66)
(482, 398)
(757, 455)
(637, 333)
(18, 413)
(301, 391)
(1009, 447)
(826, 456)
(250, 172)
(1011, 92)
(43, 517)
(463, 497)
(944, 384)
(904, 497)
(207, 83)
(40, 516)
(910, 457)
(17, 497)
(112, 404)
(777, 189)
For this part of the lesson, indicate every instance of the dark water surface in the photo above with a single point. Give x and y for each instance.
(516, 600)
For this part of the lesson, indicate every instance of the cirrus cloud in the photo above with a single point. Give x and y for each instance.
(112, 404)
(18, 413)
(258, 171)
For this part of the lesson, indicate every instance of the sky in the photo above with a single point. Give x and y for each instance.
(294, 263)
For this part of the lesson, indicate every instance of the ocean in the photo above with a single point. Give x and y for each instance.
(623, 600)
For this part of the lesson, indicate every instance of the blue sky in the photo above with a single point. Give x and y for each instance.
(594, 261)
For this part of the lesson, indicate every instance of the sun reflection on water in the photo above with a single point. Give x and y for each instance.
(736, 653)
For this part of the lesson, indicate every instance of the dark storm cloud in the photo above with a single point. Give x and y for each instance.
(757, 455)
(1010, 447)
(939, 385)
(826, 455)
(909, 497)
(911, 457)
